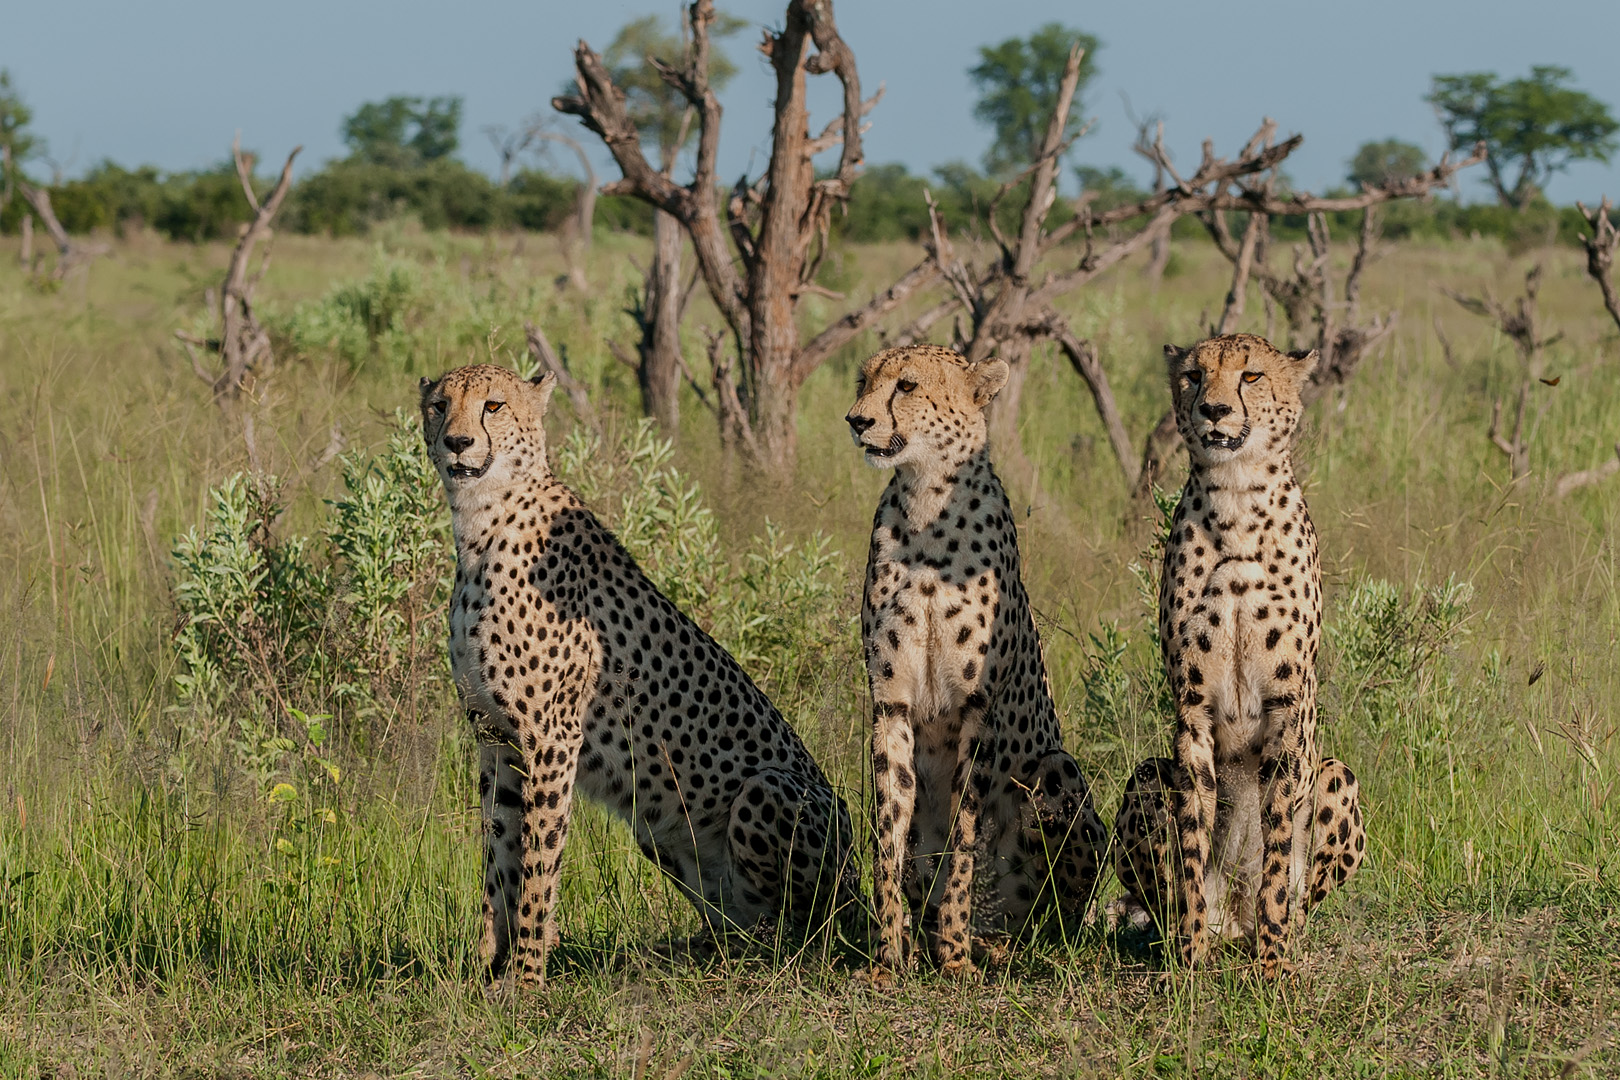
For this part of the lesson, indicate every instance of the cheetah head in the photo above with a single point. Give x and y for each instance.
(1236, 395)
(484, 424)
(922, 403)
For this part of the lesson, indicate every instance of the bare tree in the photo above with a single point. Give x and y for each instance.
(777, 225)
(1521, 325)
(1600, 249)
(508, 144)
(1318, 311)
(1010, 311)
(576, 234)
(70, 254)
(243, 344)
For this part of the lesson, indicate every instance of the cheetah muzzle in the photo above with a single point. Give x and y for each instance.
(576, 672)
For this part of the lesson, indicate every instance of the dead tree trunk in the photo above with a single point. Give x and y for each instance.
(658, 311)
(1521, 325)
(243, 344)
(777, 225)
(1600, 248)
(69, 255)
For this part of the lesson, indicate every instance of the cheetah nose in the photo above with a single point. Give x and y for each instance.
(1214, 411)
(859, 423)
(457, 443)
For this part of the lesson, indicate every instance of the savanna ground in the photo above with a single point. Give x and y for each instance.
(189, 887)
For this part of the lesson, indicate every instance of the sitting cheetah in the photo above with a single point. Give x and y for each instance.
(1240, 616)
(982, 818)
(575, 669)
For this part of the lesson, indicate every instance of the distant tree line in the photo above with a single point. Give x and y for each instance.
(402, 160)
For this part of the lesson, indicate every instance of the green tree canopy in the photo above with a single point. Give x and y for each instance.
(404, 132)
(1385, 161)
(1018, 83)
(656, 108)
(17, 144)
(1538, 124)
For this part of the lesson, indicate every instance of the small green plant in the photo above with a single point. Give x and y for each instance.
(373, 317)
(280, 634)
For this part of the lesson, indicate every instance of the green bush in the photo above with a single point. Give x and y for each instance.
(280, 634)
(356, 321)
(779, 608)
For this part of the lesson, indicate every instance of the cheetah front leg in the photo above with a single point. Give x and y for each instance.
(952, 943)
(500, 790)
(548, 795)
(894, 783)
(1195, 824)
(1281, 769)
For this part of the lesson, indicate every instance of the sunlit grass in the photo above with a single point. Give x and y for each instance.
(166, 913)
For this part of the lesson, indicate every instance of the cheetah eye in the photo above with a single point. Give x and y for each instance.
(1193, 377)
(905, 386)
(493, 406)
(1252, 376)
(437, 408)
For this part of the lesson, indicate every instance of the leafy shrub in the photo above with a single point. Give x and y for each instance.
(279, 634)
(1389, 658)
(358, 320)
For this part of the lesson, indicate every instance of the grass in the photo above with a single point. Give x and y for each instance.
(166, 911)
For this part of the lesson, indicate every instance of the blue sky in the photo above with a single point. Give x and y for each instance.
(168, 82)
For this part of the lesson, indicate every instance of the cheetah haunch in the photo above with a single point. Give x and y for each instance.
(576, 671)
(983, 820)
(1240, 617)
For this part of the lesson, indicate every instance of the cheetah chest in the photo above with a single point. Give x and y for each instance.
(510, 648)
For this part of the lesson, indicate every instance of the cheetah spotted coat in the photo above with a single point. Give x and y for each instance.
(983, 820)
(578, 673)
(1256, 815)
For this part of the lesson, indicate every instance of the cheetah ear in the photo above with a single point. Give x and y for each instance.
(988, 376)
(1172, 353)
(543, 386)
(426, 386)
(1304, 362)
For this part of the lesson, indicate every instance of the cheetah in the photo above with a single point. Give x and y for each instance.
(577, 672)
(1240, 617)
(982, 818)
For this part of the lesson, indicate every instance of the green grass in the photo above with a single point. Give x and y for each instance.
(165, 911)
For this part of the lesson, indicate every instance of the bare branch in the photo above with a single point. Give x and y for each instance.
(1236, 294)
(1600, 248)
(1083, 357)
(1571, 481)
(818, 348)
(578, 396)
(244, 171)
